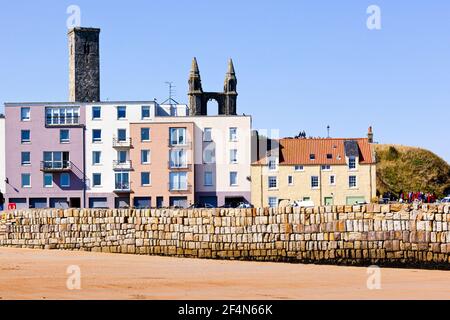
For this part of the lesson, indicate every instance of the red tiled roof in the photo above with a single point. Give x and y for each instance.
(297, 151)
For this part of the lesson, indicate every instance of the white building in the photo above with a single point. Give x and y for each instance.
(222, 146)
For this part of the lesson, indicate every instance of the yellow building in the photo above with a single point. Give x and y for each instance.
(326, 171)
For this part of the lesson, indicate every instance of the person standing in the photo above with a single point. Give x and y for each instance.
(2, 201)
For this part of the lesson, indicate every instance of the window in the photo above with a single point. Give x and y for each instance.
(290, 180)
(207, 134)
(178, 158)
(209, 155)
(56, 160)
(26, 180)
(332, 180)
(121, 113)
(312, 156)
(352, 183)
(329, 156)
(122, 181)
(96, 135)
(208, 178)
(25, 136)
(233, 134)
(64, 180)
(299, 168)
(352, 163)
(233, 178)
(145, 112)
(145, 179)
(96, 157)
(62, 116)
(326, 168)
(96, 179)
(272, 181)
(64, 136)
(178, 181)
(233, 156)
(48, 180)
(273, 202)
(25, 158)
(121, 135)
(96, 113)
(24, 114)
(145, 134)
(177, 136)
(145, 156)
(314, 182)
(122, 156)
(272, 164)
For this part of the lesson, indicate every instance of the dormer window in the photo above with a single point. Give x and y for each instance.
(329, 156)
(312, 156)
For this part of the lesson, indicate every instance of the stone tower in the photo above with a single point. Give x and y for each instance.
(229, 90)
(195, 90)
(198, 99)
(84, 65)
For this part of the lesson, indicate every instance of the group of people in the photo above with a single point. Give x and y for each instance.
(410, 197)
(423, 197)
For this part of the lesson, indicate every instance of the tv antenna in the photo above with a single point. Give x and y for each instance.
(170, 100)
(328, 131)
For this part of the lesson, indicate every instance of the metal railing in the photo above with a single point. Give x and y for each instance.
(52, 166)
(179, 166)
(176, 144)
(121, 143)
(179, 188)
(122, 187)
(122, 165)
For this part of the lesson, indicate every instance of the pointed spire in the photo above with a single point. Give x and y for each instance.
(194, 66)
(230, 67)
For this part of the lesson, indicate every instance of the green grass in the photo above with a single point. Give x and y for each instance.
(402, 168)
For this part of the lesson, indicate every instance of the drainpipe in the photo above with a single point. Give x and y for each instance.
(84, 166)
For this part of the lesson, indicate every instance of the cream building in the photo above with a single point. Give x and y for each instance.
(324, 171)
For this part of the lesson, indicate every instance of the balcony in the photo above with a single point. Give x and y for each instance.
(59, 121)
(56, 166)
(179, 166)
(123, 187)
(177, 144)
(179, 188)
(122, 165)
(121, 143)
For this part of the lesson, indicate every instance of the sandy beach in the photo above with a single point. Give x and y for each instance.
(40, 274)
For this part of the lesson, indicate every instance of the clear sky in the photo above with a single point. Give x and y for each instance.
(301, 65)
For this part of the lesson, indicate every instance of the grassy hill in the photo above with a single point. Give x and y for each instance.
(411, 169)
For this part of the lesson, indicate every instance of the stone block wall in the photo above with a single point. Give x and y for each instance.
(394, 235)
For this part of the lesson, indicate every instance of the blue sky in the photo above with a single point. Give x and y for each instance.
(301, 65)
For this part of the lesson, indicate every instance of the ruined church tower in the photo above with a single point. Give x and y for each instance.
(84, 65)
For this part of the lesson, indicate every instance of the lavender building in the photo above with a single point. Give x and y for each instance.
(44, 155)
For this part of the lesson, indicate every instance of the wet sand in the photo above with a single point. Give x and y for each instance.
(42, 274)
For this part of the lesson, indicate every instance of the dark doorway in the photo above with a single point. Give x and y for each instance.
(211, 200)
(75, 202)
(159, 202)
(142, 202)
(122, 202)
